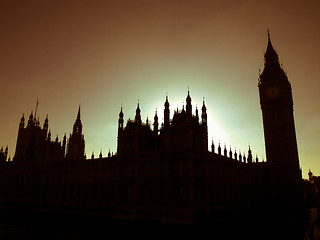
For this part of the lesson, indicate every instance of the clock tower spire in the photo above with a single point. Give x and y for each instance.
(279, 132)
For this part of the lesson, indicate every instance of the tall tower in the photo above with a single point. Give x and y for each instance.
(279, 131)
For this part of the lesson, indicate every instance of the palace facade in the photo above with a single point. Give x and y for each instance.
(161, 172)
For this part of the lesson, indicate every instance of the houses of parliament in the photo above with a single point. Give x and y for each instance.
(161, 172)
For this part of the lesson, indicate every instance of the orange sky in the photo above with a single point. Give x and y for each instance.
(102, 54)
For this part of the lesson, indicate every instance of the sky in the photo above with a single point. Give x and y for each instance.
(104, 54)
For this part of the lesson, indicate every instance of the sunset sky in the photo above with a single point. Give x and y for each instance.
(101, 54)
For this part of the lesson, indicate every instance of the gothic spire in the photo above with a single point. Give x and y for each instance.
(120, 121)
(270, 56)
(188, 105)
(21, 125)
(166, 113)
(77, 126)
(46, 121)
(138, 115)
(204, 113)
(78, 115)
(155, 123)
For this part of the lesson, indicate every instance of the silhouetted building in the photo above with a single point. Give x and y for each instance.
(312, 190)
(164, 173)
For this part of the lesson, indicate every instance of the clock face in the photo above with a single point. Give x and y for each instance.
(273, 91)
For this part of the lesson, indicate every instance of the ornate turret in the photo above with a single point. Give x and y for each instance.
(212, 146)
(76, 143)
(64, 144)
(225, 152)
(219, 149)
(31, 120)
(46, 121)
(77, 126)
(138, 115)
(204, 114)
(166, 113)
(188, 106)
(249, 155)
(120, 121)
(197, 114)
(155, 124)
(49, 136)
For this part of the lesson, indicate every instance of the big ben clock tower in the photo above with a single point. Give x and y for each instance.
(279, 132)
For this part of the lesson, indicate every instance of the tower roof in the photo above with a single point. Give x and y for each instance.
(188, 99)
(78, 115)
(272, 70)
(121, 113)
(270, 55)
(166, 103)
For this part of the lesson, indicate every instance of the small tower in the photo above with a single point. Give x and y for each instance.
(31, 122)
(230, 153)
(212, 146)
(77, 126)
(76, 143)
(64, 143)
(138, 115)
(120, 121)
(166, 113)
(204, 114)
(46, 125)
(46, 121)
(6, 151)
(219, 149)
(188, 106)
(21, 125)
(249, 155)
(49, 136)
(197, 114)
(155, 124)
(310, 174)
(225, 151)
